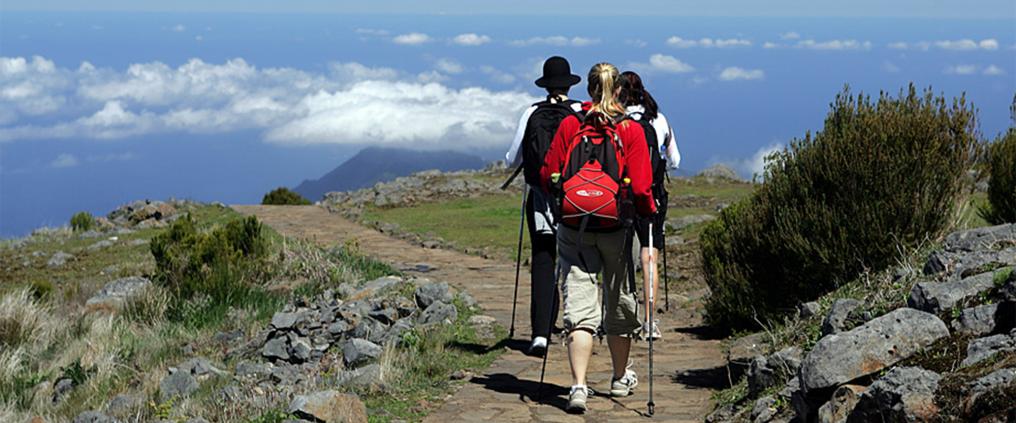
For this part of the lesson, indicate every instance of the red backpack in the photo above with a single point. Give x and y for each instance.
(593, 194)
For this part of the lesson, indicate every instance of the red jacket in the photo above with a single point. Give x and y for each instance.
(636, 157)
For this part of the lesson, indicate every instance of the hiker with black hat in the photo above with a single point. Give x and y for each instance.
(532, 140)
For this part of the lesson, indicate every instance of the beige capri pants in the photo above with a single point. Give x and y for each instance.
(599, 252)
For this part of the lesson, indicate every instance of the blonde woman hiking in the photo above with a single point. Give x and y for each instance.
(599, 169)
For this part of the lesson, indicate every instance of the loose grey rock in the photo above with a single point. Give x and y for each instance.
(59, 259)
(808, 309)
(62, 387)
(287, 374)
(836, 320)
(338, 328)
(430, 293)
(976, 321)
(123, 405)
(199, 366)
(984, 238)
(998, 379)
(395, 333)
(100, 245)
(276, 348)
(329, 407)
(177, 384)
(300, 350)
(113, 294)
(439, 313)
(724, 413)
(766, 372)
(903, 394)
(468, 300)
(93, 417)
(936, 297)
(375, 286)
(764, 409)
(385, 315)
(983, 348)
(356, 352)
(369, 329)
(719, 171)
(282, 320)
(882, 342)
(937, 263)
(363, 377)
(838, 408)
(253, 369)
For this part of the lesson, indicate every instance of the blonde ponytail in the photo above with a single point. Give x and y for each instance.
(604, 79)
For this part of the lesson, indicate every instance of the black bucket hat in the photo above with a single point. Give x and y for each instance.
(557, 74)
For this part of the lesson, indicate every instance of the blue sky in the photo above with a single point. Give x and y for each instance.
(125, 100)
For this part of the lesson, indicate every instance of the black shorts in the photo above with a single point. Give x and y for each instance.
(642, 229)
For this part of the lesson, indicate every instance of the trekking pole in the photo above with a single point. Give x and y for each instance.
(651, 406)
(518, 260)
(666, 275)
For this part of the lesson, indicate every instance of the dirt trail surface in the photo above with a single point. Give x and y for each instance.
(687, 365)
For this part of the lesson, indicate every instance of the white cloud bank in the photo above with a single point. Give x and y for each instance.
(965, 44)
(754, 166)
(662, 63)
(679, 42)
(471, 39)
(734, 73)
(966, 69)
(411, 39)
(349, 104)
(556, 40)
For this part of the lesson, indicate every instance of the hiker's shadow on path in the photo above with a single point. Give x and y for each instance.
(527, 390)
(512, 344)
(702, 332)
(715, 378)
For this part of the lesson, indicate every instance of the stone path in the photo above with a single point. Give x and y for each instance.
(687, 366)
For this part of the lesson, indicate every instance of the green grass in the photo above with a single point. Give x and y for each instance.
(492, 222)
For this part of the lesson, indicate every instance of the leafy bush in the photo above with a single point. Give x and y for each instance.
(283, 196)
(82, 221)
(217, 263)
(1002, 168)
(880, 175)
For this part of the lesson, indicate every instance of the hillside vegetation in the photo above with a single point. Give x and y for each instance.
(883, 175)
(177, 311)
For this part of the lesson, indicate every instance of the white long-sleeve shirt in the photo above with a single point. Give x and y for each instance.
(514, 155)
(667, 151)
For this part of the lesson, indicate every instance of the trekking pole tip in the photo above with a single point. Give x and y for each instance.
(651, 409)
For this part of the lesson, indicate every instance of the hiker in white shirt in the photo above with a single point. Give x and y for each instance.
(642, 107)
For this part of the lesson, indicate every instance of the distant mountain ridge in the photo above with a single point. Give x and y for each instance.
(376, 164)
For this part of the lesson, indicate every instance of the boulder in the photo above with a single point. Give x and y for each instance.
(766, 372)
(430, 293)
(58, 259)
(177, 384)
(764, 409)
(977, 321)
(200, 366)
(983, 348)
(375, 286)
(124, 405)
(439, 313)
(106, 243)
(484, 326)
(905, 394)
(838, 408)
(329, 407)
(394, 333)
(719, 171)
(282, 320)
(356, 352)
(999, 379)
(984, 238)
(808, 309)
(840, 358)
(276, 348)
(112, 295)
(836, 320)
(253, 369)
(936, 297)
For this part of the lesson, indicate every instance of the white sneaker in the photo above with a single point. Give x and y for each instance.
(623, 386)
(577, 399)
(651, 333)
(538, 347)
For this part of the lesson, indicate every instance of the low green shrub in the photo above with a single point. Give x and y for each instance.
(82, 221)
(881, 175)
(219, 263)
(1001, 206)
(283, 196)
